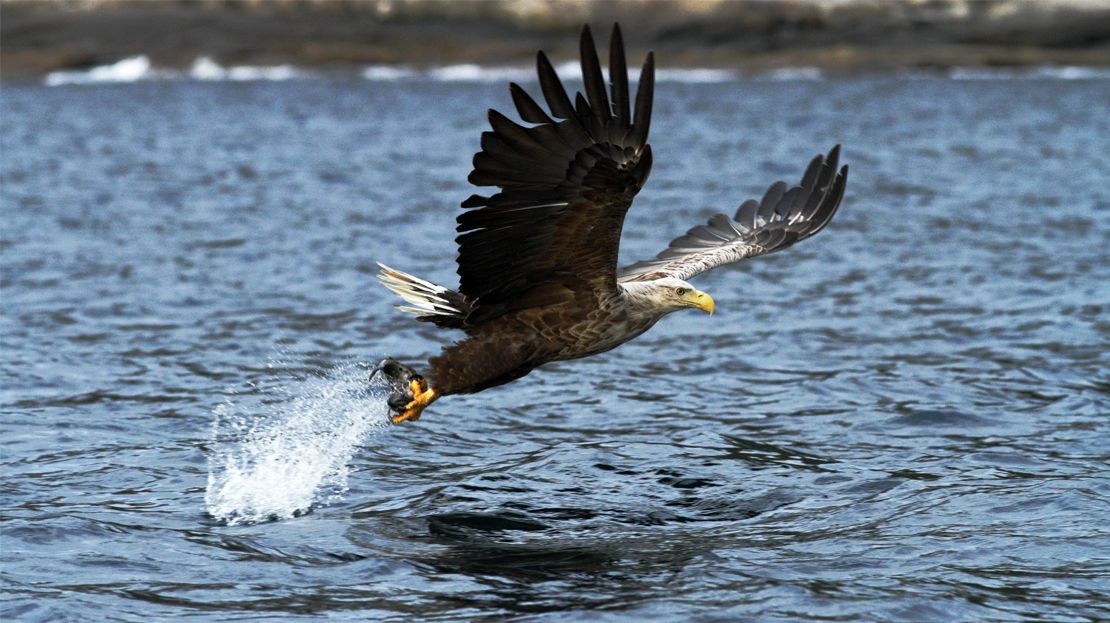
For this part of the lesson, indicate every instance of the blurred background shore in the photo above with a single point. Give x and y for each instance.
(41, 36)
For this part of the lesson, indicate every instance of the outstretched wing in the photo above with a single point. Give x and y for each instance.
(565, 183)
(784, 216)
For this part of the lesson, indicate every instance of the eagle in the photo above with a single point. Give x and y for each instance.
(539, 279)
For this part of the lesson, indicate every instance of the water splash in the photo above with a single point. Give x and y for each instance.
(278, 451)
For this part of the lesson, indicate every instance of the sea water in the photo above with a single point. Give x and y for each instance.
(903, 418)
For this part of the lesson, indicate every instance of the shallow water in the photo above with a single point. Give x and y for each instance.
(904, 418)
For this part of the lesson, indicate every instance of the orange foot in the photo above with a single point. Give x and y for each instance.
(422, 396)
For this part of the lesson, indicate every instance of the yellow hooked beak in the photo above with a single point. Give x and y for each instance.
(701, 300)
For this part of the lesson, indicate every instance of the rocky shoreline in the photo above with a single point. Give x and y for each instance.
(41, 36)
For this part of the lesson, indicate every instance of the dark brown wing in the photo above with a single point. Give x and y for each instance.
(784, 216)
(565, 183)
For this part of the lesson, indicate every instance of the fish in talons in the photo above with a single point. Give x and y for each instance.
(409, 393)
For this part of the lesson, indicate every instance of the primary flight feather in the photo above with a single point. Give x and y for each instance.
(537, 262)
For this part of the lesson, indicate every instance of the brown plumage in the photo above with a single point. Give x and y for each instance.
(538, 258)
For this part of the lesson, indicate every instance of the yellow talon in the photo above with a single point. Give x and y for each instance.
(422, 396)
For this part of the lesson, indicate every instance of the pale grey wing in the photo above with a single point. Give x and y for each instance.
(784, 216)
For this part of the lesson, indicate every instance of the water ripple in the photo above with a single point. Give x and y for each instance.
(903, 419)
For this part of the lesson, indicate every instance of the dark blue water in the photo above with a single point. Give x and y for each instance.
(904, 418)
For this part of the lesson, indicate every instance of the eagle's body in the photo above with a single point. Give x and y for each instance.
(496, 353)
(539, 280)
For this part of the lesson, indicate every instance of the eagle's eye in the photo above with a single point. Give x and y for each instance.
(681, 291)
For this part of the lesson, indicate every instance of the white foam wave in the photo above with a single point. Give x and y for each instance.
(139, 68)
(571, 71)
(477, 73)
(277, 452)
(130, 69)
(205, 68)
(696, 76)
(1069, 72)
(1050, 72)
(568, 72)
(388, 72)
(790, 74)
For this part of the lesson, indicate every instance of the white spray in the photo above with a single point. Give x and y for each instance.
(277, 452)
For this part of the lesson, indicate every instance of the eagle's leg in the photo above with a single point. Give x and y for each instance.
(422, 396)
(409, 391)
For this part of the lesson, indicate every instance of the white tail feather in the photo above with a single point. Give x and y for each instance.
(426, 297)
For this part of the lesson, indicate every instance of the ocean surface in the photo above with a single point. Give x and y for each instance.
(904, 418)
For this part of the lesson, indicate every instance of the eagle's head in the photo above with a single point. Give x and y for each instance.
(670, 294)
